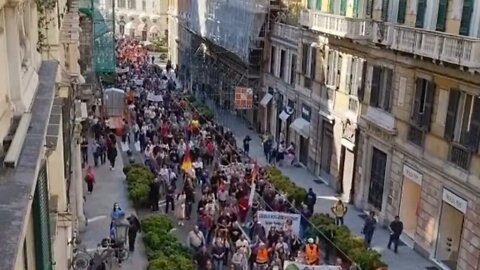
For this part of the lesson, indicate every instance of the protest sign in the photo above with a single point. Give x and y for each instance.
(279, 219)
(289, 265)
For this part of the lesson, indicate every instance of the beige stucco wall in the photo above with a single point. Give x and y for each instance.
(29, 240)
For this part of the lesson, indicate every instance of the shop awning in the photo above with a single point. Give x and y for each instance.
(284, 116)
(301, 126)
(266, 99)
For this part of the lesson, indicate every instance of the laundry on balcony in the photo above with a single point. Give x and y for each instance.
(266, 99)
(301, 126)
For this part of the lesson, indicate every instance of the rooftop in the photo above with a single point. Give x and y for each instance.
(17, 185)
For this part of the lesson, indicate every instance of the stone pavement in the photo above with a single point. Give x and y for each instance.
(406, 259)
(110, 187)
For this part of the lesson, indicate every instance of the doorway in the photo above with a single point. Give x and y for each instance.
(347, 165)
(326, 155)
(409, 206)
(303, 157)
(449, 236)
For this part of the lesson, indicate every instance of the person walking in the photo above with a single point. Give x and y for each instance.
(396, 229)
(169, 198)
(310, 200)
(154, 194)
(112, 151)
(339, 210)
(133, 230)
(84, 150)
(246, 144)
(369, 229)
(90, 179)
(180, 209)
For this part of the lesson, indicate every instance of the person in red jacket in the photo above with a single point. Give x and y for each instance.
(243, 208)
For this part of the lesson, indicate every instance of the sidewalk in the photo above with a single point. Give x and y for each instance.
(406, 259)
(110, 187)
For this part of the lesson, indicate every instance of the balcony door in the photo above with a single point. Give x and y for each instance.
(377, 178)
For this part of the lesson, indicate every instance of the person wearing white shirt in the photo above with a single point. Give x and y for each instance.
(195, 239)
(198, 167)
(243, 245)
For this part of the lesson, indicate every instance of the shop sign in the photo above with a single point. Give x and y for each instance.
(412, 174)
(455, 201)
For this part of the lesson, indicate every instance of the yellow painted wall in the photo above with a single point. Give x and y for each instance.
(56, 178)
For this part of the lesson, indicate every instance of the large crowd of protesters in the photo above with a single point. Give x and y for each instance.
(204, 179)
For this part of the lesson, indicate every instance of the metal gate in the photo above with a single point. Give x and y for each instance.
(41, 221)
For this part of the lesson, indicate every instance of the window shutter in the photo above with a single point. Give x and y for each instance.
(311, 4)
(385, 4)
(338, 68)
(388, 89)
(348, 76)
(304, 58)
(474, 134)
(343, 7)
(355, 8)
(416, 119)
(319, 4)
(313, 66)
(451, 114)
(361, 88)
(421, 7)
(427, 114)
(466, 17)
(402, 10)
(369, 9)
(330, 6)
(442, 15)
(375, 86)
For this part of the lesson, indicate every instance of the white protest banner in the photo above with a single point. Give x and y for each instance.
(122, 70)
(279, 219)
(155, 98)
(138, 82)
(289, 265)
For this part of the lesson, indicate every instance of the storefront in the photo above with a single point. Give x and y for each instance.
(410, 203)
(450, 229)
(301, 126)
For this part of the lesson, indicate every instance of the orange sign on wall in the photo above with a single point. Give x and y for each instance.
(243, 98)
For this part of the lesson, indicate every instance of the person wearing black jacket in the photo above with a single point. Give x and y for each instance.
(311, 200)
(154, 194)
(396, 228)
(133, 230)
(169, 199)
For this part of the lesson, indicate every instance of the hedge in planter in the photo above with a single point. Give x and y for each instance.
(164, 251)
(138, 179)
(295, 194)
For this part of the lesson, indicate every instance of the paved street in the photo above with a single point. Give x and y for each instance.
(110, 187)
(406, 259)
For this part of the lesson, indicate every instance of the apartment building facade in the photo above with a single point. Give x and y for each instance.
(418, 153)
(35, 132)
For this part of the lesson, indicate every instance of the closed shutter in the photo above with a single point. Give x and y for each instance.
(466, 17)
(41, 219)
(369, 9)
(319, 4)
(313, 66)
(442, 15)
(311, 4)
(355, 8)
(427, 114)
(421, 6)
(474, 133)
(416, 116)
(331, 6)
(363, 80)
(304, 58)
(388, 88)
(343, 7)
(348, 76)
(375, 86)
(402, 10)
(385, 4)
(451, 114)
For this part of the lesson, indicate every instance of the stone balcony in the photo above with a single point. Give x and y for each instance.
(285, 31)
(438, 46)
(337, 25)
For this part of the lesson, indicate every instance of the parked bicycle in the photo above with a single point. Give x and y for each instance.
(102, 257)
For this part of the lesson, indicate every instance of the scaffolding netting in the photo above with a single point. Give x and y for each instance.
(102, 16)
(234, 25)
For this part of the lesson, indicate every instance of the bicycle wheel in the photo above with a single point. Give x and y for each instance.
(81, 261)
(123, 254)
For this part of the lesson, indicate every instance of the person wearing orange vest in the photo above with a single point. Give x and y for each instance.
(262, 256)
(311, 253)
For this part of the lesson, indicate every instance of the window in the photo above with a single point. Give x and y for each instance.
(402, 10)
(343, 7)
(291, 103)
(377, 178)
(369, 9)
(442, 15)
(273, 52)
(306, 112)
(144, 5)
(339, 68)
(423, 103)
(332, 68)
(293, 69)
(421, 8)
(305, 54)
(132, 4)
(121, 4)
(466, 17)
(354, 75)
(462, 124)
(283, 56)
(384, 14)
(381, 87)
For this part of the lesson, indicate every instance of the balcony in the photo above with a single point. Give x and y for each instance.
(337, 25)
(439, 46)
(286, 31)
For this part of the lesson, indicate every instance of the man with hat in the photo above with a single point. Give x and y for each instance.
(312, 251)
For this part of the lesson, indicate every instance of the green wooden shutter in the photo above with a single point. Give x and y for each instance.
(361, 88)
(442, 15)
(416, 117)
(41, 221)
(319, 4)
(313, 65)
(343, 7)
(375, 86)
(427, 113)
(311, 4)
(421, 7)
(355, 8)
(451, 114)
(466, 17)
(304, 58)
(388, 89)
(474, 133)
(331, 6)
(385, 5)
(402, 10)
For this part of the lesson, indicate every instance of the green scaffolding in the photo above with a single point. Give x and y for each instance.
(103, 19)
